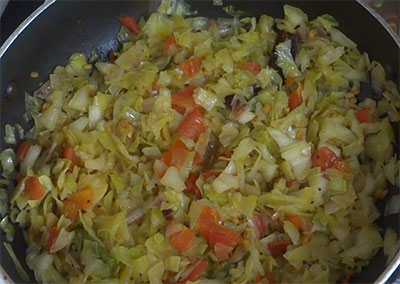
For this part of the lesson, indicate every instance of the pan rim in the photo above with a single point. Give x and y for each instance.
(10, 40)
(387, 272)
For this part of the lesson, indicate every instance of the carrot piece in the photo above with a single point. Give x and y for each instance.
(253, 67)
(34, 188)
(191, 66)
(363, 114)
(69, 153)
(22, 150)
(84, 198)
(192, 126)
(130, 23)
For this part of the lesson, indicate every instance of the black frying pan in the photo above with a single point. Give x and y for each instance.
(68, 26)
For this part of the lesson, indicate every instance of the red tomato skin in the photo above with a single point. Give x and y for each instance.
(182, 240)
(324, 158)
(69, 153)
(295, 100)
(34, 188)
(259, 222)
(253, 67)
(176, 154)
(363, 114)
(22, 150)
(278, 248)
(130, 23)
(196, 273)
(51, 237)
(171, 46)
(191, 66)
(183, 101)
(191, 186)
(209, 227)
(193, 125)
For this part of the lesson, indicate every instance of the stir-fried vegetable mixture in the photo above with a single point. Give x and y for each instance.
(226, 151)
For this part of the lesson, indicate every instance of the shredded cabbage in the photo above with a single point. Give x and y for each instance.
(232, 150)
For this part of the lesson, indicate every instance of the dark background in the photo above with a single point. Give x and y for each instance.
(14, 14)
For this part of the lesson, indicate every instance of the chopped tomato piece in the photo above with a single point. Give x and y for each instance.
(259, 222)
(20, 177)
(111, 56)
(290, 80)
(207, 216)
(154, 89)
(208, 174)
(347, 275)
(297, 221)
(307, 237)
(34, 188)
(51, 237)
(84, 198)
(192, 126)
(343, 166)
(208, 227)
(253, 67)
(270, 277)
(200, 266)
(215, 233)
(295, 99)
(324, 158)
(71, 210)
(171, 47)
(363, 114)
(289, 183)
(191, 66)
(278, 248)
(176, 154)
(191, 186)
(182, 240)
(69, 154)
(22, 150)
(130, 23)
(197, 159)
(183, 101)
(159, 167)
(222, 251)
